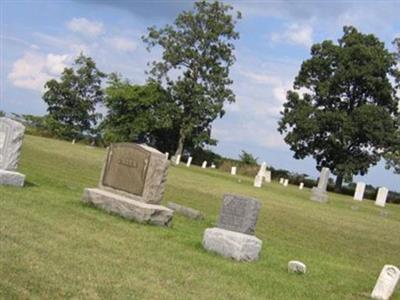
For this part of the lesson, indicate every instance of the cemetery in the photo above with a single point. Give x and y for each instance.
(62, 247)
(200, 150)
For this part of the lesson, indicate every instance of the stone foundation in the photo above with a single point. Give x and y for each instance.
(319, 195)
(128, 208)
(12, 178)
(239, 246)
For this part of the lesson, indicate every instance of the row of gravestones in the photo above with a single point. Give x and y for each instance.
(176, 160)
(132, 185)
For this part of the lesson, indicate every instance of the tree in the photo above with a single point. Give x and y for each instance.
(135, 112)
(247, 158)
(72, 100)
(2, 113)
(392, 153)
(197, 53)
(346, 115)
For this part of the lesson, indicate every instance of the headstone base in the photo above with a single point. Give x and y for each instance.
(12, 178)
(239, 246)
(128, 208)
(319, 195)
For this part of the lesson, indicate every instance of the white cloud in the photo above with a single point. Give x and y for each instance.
(85, 27)
(295, 34)
(33, 70)
(122, 44)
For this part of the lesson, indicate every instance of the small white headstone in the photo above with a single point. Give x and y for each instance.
(381, 196)
(204, 165)
(166, 155)
(178, 159)
(295, 266)
(213, 166)
(301, 186)
(258, 181)
(267, 176)
(73, 142)
(189, 162)
(386, 283)
(359, 192)
(281, 180)
(286, 182)
(233, 170)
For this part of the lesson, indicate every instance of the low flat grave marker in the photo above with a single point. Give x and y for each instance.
(132, 184)
(234, 236)
(11, 137)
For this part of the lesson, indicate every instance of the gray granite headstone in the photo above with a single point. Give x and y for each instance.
(11, 136)
(239, 214)
(319, 193)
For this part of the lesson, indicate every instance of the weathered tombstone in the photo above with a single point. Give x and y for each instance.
(233, 170)
(178, 159)
(132, 184)
(213, 166)
(204, 165)
(258, 181)
(319, 193)
(301, 186)
(267, 176)
(281, 180)
(166, 155)
(381, 196)
(286, 182)
(234, 236)
(189, 161)
(359, 192)
(11, 136)
(386, 283)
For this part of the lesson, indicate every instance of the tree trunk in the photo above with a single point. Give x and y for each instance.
(181, 141)
(338, 183)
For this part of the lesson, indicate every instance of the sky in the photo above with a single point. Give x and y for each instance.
(38, 39)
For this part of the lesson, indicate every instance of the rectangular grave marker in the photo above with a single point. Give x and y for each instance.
(239, 214)
(359, 192)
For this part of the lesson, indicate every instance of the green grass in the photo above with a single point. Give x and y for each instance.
(52, 246)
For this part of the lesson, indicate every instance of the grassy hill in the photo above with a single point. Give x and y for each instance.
(52, 246)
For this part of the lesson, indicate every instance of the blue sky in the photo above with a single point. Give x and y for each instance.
(40, 38)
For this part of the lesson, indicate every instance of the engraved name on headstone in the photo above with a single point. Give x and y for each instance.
(239, 214)
(386, 284)
(135, 171)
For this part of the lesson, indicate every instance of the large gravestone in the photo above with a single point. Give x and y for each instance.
(234, 236)
(11, 136)
(319, 193)
(132, 184)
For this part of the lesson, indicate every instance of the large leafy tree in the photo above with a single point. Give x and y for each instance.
(136, 112)
(197, 53)
(346, 114)
(392, 153)
(72, 100)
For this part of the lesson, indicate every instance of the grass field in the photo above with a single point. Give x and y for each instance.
(52, 246)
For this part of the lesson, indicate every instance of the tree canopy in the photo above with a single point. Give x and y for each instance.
(197, 53)
(135, 112)
(72, 100)
(343, 107)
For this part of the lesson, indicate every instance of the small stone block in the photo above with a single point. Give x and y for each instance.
(295, 266)
(128, 208)
(239, 246)
(12, 178)
(186, 211)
